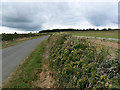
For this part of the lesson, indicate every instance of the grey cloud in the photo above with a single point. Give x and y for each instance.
(32, 16)
(98, 19)
(21, 16)
(17, 19)
(100, 14)
(23, 26)
(0, 20)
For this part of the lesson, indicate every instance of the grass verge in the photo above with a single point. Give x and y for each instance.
(28, 71)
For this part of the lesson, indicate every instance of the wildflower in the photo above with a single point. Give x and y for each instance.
(80, 50)
(101, 77)
(106, 84)
(110, 86)
(89, 44)
(72, 51)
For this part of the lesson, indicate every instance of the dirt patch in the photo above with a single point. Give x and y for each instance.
(105, 43)
(46, 55)
(20, 39)
(45, 77)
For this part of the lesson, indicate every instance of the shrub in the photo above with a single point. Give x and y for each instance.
(8, 37)
(80, 64)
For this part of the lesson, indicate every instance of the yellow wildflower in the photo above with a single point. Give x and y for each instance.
(110, 86)
(101, 77)
(72, 51)
(106, 84)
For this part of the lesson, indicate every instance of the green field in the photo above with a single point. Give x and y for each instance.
(105, 34)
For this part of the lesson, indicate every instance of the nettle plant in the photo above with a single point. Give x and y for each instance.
(78, 63)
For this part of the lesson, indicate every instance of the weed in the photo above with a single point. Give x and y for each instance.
(80, 64)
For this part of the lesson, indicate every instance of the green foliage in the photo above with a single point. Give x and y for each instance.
(80, 64)
(8, 37)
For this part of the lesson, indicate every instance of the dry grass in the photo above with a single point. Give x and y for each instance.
(45, 77)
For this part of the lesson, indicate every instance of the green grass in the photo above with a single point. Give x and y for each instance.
(28, 71)
(105, 34)
(6, 44)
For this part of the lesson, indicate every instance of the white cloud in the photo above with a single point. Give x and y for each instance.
(60, 0)
(48, 15)
(11, 30)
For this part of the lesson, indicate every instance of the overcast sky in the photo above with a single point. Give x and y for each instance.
(24, 16)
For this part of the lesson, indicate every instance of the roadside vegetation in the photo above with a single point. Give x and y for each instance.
(14, 39)
(9, 37)
(66, 61)
(6, 44)
(78, 63)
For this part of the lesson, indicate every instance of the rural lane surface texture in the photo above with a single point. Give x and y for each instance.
(13, 56)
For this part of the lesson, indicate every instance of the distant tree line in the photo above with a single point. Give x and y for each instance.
(8, 37)
(65, 30)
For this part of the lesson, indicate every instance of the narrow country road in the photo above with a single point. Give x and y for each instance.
(13, 56)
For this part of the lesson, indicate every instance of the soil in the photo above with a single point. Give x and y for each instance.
(20, 39)
(114, 45)
(45, 77)
(106, 43)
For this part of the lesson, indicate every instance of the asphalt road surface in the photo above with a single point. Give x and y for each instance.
(13, 56)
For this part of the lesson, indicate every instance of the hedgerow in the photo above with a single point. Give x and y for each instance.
(78, 63)
(8, 37)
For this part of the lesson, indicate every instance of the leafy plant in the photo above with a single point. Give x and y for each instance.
(78, 63)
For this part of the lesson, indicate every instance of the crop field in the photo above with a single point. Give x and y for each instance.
(105, 34)
(70, 62)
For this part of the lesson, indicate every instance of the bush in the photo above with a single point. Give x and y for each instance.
(80, 64)
(8, 37)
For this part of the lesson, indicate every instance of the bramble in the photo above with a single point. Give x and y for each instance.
(81, 65)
